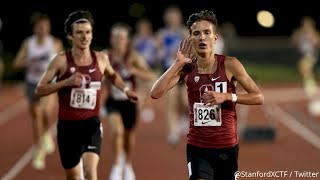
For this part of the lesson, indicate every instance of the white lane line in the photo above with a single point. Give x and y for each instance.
(25, 159)
(13, 111)
(294, 125)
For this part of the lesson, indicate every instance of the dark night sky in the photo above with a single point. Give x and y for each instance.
(16, 26)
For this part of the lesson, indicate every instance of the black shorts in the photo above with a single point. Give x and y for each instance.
(212, 164)
(127, 109)
(76, 137)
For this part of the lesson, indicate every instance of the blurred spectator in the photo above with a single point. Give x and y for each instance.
(122, 113)
(306, 39)
(169, 38)
(144, 41)
(35, 54)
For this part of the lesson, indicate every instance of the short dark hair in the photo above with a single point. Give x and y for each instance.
(203, 15)
(37, 17)
(122, 25)
(80, 16)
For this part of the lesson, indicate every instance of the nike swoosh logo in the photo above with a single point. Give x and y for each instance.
(92, 70)
(213, 79)
(92, 147)
(205, 122)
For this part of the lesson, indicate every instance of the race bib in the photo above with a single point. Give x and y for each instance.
(207, 115)
(83, 98)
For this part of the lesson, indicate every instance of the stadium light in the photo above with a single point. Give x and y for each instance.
(265, 19)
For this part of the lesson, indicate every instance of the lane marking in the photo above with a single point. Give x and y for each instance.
(26, 158)
(13, 111)
(294, 125)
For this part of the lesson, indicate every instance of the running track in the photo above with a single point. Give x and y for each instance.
(296, 147)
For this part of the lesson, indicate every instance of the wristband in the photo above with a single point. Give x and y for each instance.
(234, 97)
(126, 89)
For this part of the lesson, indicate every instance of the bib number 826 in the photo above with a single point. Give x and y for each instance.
(206, 114)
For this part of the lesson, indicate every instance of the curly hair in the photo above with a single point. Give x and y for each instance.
(203, 15)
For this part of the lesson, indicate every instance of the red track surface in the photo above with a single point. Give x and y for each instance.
(154, 159)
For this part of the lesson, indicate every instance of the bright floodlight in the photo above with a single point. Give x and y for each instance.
(265, 19)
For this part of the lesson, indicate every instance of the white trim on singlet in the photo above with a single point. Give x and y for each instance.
(38, 58)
